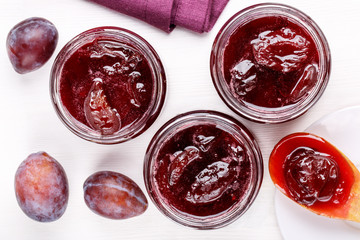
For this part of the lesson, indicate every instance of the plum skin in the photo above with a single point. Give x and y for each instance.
(31, 43)
(114, 195)
(41, 187)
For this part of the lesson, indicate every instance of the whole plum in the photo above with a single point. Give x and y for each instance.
(31, 43)
(41, 187)
(113, 195)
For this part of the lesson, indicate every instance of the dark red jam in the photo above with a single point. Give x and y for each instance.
(312, 172)
(106, 84)
(270, 62)
(202, 170)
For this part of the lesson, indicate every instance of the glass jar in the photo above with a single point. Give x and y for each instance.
(263, 85)
(107, 85)
(203, 169)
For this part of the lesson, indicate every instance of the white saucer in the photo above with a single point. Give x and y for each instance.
(341, 129)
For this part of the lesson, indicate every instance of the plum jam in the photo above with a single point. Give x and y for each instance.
(108, 85)
(203, 169)
(270, 63)
(313, 173)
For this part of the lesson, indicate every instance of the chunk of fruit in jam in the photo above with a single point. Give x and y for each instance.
(41, 187)
(31, 43)
(316, 175)
(202, 170)
(270, 62)
(113, 195)
(181, 161)
(311, 176)
(282, 50)
(243, 78)
(99, 115)
(204, 142)
(211, 183)
(304, 85)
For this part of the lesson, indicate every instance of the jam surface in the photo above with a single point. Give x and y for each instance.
(270, 62)
(106, 85)
(202, 170)
(312, 172)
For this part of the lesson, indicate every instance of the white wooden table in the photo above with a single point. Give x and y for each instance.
(28, 122)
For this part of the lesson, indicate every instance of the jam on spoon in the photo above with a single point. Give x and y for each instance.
(315, 174)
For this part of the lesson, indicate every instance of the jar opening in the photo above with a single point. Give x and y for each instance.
(203, 169)
(270, 63)
(108, 85)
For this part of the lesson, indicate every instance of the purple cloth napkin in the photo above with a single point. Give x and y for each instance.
(197, 15)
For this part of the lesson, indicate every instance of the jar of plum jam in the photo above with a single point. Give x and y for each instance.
(108, 85)
(270, 63)
(203, 169)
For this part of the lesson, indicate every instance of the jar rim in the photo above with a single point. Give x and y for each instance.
(227, 123)
(257, 113)
(124, 36)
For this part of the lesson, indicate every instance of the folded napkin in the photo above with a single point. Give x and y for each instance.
(196, 15)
